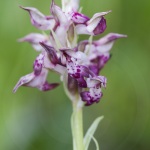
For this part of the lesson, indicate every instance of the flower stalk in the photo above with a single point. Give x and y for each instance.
(77, 127)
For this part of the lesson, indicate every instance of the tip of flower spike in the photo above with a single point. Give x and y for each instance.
(23, 7)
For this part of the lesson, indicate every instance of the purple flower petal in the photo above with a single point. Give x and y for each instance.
(34, 39)
(97, 17)
(96, 25)
(109, 39)
(98, 63)
(90, 98)
(51, 52)
(98, 51)
(94, 68)
(37, 81)
(58, 14)
(62, 24)
(24, 80)
(39, 20)
(94, 94)
(80, 56)
(82, 29)
(76, 70)
(100, 28)
(79, 18)
(38, 64)
(81, 82)
(48, 86)
(101, 79)
(105, 44)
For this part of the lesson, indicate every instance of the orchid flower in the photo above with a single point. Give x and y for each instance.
(79, 64)
(82, 62)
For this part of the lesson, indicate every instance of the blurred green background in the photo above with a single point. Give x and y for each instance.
(33, 120)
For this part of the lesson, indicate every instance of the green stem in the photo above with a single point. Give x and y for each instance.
(77, 127)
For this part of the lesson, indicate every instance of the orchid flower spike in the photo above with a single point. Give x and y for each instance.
(78, 64)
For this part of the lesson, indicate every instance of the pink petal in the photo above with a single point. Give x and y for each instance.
(48, 86)
(96, 25)
(34, 39)
(39, 20)
(79, 18)
(51, 52)
(38, 64)
(58, 14)
(37, 81)
(24, 80)
(105, 44)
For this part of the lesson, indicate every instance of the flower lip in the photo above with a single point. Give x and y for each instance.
(86, 97)
(38, 64)
(94, 93)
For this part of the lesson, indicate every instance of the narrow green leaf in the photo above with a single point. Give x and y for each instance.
(91, 131)
(96, 143)
(80, 10)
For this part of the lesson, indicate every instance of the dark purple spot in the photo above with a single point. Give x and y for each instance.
(76, 75)
(78, 70)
